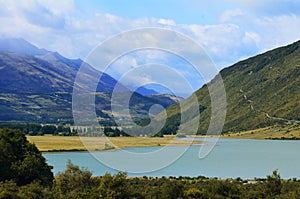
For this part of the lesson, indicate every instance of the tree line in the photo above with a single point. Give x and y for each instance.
(39, 129)
(33, 129)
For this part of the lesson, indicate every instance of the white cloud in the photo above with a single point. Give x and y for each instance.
(251, 37)
(223, 42)
(59, 7)
(166, 22)
(122, 65)
(157, 74)
(267, 8)
(60, 26)
(231, 15)
(278, 30)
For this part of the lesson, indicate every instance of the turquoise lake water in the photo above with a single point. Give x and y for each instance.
(230, 158)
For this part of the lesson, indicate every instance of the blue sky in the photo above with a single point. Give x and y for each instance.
(228, 30)
(180, 11)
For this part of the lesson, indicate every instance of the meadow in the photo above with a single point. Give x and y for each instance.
(272, 132)
(49, 143)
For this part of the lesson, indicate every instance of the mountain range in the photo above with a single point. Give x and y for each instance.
(36, 86)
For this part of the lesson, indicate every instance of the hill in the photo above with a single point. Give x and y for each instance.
(261, 91)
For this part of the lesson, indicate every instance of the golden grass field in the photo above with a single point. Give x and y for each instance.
(276, 132)
(50, 143)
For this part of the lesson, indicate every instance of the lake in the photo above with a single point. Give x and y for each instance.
(230, 158)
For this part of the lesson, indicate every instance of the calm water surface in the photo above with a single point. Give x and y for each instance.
(230, 158)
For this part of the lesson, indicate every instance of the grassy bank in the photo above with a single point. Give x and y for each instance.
(273, 132)
(74, 143)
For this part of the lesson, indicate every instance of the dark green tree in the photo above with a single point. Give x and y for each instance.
(114, 186)
(34, 191)
(74, 181)
(273, 184)
(171, 189)
(21, 161)
(8, 190)
(195, 193)
(49, 129)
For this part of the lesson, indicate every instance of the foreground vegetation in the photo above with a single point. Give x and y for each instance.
(25, 174)
(77, 182)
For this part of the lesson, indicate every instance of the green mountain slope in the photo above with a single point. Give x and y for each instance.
(261, 91)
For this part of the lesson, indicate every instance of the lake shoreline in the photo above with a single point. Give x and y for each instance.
(54, 144)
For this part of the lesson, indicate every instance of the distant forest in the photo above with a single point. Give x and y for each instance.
(38, 129)
(34, 129)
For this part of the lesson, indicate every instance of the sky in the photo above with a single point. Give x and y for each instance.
(228, 30)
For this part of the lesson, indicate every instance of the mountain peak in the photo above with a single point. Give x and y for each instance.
(20, 46)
